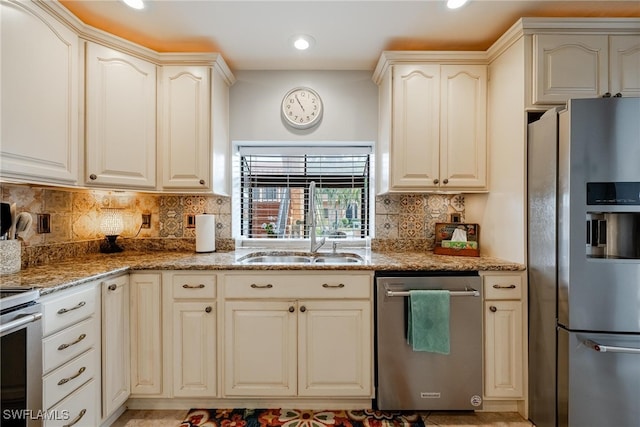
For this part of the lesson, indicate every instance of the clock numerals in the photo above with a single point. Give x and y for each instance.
(301, 108)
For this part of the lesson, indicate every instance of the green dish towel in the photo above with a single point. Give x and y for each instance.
(428, 321)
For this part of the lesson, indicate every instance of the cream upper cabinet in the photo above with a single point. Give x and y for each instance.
(432, 134)
(624, 65)
(585, 66)
(185, 138)
(120, 119)
(40, 101)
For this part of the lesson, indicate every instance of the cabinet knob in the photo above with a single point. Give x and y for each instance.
(93, 177)
(617, 95)
(445, 181)
(303, 309)
(208, 309)
(607, 95)
(292, 309)
(112, 287)
(435, 181)
(202, 182)
(493, 308)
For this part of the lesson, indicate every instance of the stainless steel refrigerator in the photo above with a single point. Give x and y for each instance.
(584, 264)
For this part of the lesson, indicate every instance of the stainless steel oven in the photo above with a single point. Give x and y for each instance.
(20, 358)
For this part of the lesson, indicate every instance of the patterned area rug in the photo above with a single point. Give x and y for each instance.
(300, 418)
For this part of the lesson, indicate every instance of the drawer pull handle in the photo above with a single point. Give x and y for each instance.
(339, 285)
(504, 286)
(77, 419)
(200, 286)
(267, 286)
(208, 309)
(66, 310)
(73, 377)
(493, 308)
(112, 287)
(80, 338)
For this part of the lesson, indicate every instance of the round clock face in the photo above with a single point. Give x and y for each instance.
(302, 108)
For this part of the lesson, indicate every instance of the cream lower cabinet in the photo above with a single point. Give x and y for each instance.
(505, 336)
(116, 372)
(194, 341)
(146, 335)
(293, 335)
(71, 356)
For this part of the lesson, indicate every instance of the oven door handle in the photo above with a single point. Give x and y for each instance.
(610, 349)
(21, 321)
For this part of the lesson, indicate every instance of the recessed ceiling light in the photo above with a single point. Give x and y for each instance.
(302, 42)
(454, 4)
(135, 4)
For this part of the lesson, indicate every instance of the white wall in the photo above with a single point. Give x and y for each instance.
(350, 100)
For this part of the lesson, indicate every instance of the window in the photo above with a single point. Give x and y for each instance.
(274, 190)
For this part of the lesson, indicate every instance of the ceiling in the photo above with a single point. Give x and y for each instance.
(349, 34)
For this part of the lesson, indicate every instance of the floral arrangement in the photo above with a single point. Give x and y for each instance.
(269, 227)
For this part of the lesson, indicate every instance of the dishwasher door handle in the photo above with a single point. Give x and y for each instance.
(465, 293)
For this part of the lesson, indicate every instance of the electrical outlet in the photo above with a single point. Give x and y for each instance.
(191, 221)
(146, 221)
(44, 223)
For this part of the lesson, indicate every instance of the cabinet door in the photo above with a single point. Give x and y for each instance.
(39, 80)
(569, 66)
(260, 348)
(416, 117)
(335, 348)
(121, 119)
(194, 349)
(624, 65)
(503, 349)
(146, 334)
(186, 118)
(463, 127)
(116, 375)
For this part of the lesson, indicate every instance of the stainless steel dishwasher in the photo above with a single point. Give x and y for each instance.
(416, 380)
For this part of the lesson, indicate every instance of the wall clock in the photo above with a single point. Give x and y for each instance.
(302, 108)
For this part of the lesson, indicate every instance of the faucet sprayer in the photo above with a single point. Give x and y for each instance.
(312, 219)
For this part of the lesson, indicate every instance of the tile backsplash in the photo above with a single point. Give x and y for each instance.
(402, 222)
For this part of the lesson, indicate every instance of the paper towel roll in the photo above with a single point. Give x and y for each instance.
(205, 233)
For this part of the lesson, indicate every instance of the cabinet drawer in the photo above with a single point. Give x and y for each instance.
(78, 409)
(69, 308)
(503, 287)
(193, 286)
(67, 378)
(65, 345)
(298, 286)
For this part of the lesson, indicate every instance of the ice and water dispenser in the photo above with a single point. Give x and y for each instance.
(613, 220)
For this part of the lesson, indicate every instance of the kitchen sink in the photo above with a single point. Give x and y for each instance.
(301, 258)
(276, 259)
(338, 259)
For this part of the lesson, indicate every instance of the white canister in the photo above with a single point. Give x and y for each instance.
(10, 256)
(205, 233)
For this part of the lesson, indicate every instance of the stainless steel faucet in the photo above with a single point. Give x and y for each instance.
(312, 219)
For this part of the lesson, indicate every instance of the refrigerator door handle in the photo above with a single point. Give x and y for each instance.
(610, 349)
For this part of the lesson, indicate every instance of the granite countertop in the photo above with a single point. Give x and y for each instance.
(50, 278)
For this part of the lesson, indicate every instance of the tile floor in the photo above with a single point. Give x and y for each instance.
(173, 418)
